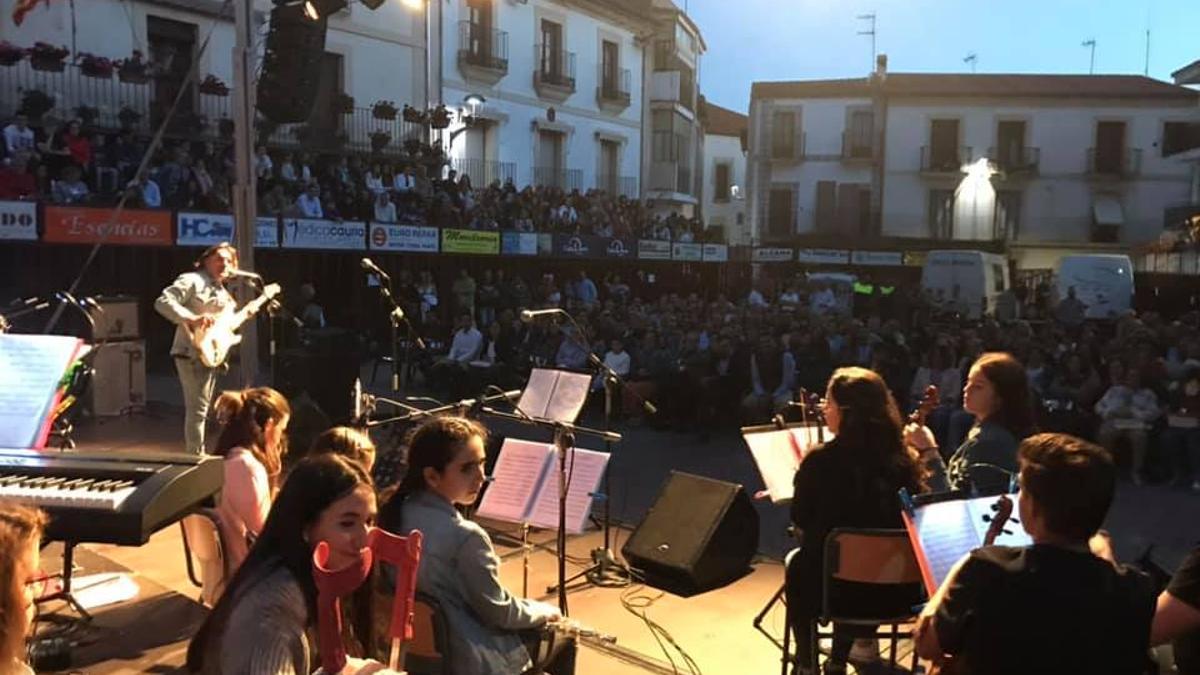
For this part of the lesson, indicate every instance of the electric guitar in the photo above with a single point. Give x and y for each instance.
(1002, 509)
(214, 342)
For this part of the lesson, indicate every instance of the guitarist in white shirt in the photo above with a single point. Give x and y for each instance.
(191, 302)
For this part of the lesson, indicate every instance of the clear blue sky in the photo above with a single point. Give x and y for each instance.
(755, 40)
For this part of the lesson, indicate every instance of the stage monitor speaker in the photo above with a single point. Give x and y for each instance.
(119, 385)
(700, 534)
(291, 67)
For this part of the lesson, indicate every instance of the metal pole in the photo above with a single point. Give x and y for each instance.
(244, 192)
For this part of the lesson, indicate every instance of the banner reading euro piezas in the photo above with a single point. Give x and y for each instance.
(408, 238)
(310, 233)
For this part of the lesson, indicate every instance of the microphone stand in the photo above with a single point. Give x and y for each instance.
(395, 317)
(605, 569)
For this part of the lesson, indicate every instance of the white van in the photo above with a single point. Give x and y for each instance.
(961, 281)
(1104, 283)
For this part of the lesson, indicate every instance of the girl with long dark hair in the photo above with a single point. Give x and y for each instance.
(850, 481)
(459, 567)
(260, 624)
(997, 393)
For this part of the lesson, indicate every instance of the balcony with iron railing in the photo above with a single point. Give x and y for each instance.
(856, 147)
(563, 179)
(1116, 163)
(1015, 160)
(482, 52)
(948, 159)
(614, 90)
(554, 73)
(625, 186)
(484, 172)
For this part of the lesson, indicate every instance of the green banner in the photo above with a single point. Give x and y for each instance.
(471, 241)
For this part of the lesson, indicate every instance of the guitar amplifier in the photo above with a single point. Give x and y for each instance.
(118, 320)
(120, 381)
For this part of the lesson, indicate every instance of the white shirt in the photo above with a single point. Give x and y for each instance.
(374, 183)
(310, 206)
(466, 345)
(756, 299)
(18, 139)
(404, 182)
(263, 165)
(618, 363)
(385, 214)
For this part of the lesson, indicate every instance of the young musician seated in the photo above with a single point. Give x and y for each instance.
(997, 394)
(253, 442)
(459, 567)
(20, 535)
(260, 625)
(1055, 606)
(851, 481)
(1177, 616)
(351, 443)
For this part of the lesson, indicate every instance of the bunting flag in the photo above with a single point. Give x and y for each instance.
(23, 7)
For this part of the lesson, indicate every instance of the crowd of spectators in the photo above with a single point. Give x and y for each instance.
(71, 164)
(711, 360)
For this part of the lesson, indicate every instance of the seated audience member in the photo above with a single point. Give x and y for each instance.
(348, 442)
(617, 360)
(464, 348)
(1056, 606)
(18, 137)
(20, 569)
(1181, 438)
(16, 182)
(309, 202)
(772, 380)
(262, 623)
(459, 567)
(385, 210)
(253, 442)
(144, 192)
(1127, 411)
(1177, 616)
(851, 481)
(70, 189)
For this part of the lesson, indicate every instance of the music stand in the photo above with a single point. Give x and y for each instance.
(552, 400)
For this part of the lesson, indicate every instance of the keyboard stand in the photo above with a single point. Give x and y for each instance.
(65, 594)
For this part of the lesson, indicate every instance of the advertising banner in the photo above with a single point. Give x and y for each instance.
(877, 258)
(18, 221)
(653, 249)
(687, 252)
(620, 249)
(310, 233)
(764, 254)
(823, 256)
(404, 238)
(472, 242)
(518, 243)
(267, 235)
(80, 225)
(716, 253)
(579, 246)
(207, 229)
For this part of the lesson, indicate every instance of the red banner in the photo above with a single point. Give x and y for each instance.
(69, 225)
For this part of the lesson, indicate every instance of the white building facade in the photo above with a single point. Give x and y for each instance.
(1076, 162)
(562, 83)
(723, 201)
(370, 55)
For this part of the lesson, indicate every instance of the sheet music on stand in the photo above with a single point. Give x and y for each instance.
(778, 453)
(555, 395)
(524, 487)
(944, 531)
(33, 367)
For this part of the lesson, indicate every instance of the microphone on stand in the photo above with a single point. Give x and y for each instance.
(243, 274)
(529, 315)
(370, 266)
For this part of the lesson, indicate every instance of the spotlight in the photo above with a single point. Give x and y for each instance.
(316, 10)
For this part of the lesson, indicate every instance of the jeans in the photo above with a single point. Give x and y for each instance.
(198, 382)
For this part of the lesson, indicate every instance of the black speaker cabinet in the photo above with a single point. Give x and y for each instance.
(700, 534)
